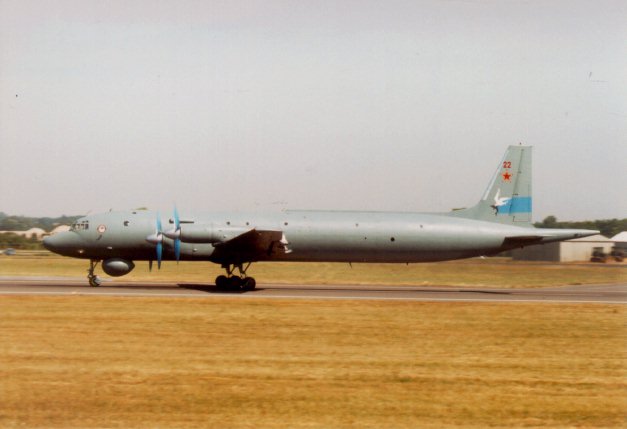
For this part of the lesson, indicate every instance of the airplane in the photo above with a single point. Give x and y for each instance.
(500, 221)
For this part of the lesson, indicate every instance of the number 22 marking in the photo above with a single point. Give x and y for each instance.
(507, 164)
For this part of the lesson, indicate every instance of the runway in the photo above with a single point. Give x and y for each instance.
(602, 294)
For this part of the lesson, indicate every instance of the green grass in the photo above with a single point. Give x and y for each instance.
(492, 272)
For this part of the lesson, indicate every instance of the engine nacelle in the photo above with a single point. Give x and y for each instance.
(209, 234)
(117, 267)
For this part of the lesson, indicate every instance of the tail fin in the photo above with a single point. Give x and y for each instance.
(508, 196)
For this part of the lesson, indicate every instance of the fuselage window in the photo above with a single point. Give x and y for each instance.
(80, 226)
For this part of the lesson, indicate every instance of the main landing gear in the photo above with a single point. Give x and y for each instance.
(235, 282)
(94, 281)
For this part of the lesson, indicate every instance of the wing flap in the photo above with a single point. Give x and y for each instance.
(250, 246)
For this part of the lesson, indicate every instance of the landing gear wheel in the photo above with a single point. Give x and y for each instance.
(222, 282)
(94, 281)
(249, 283)
(235, 283)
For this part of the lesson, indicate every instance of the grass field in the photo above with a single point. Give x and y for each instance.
(492, 272)
(86, 362)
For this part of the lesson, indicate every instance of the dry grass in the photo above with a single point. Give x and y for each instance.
(86, 362)
(494, 272)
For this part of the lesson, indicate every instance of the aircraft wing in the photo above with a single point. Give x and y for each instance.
(253, 245)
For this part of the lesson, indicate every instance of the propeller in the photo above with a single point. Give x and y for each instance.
(157, 239)
(175, 234)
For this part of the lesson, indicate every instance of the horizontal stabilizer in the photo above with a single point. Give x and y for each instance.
(556, 234)
(542, 235)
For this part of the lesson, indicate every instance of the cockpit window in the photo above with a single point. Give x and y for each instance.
(80, 226)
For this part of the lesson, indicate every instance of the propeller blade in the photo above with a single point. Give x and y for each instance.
(177, 235)
(159, 254)
(159, 235)
(177, 222)
(177, 249)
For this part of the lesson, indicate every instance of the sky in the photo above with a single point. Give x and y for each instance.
(271, 105)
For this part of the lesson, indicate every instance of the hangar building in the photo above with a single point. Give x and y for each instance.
(620, 240)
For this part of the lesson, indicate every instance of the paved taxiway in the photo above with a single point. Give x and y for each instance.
(607, 294)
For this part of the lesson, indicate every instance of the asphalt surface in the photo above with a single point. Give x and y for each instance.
(602, 294)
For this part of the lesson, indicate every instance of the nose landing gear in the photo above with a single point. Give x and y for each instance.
(236, 282)
(94, 280)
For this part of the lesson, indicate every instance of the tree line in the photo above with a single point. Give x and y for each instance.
(23, 223)
(13, 241)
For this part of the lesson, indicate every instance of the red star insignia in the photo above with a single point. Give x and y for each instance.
(507, 176)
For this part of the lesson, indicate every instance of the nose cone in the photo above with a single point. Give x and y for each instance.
(64, 243)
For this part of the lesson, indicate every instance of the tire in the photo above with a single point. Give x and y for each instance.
(235, 283)
(249, 283)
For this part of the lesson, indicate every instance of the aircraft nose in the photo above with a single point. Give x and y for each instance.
(63, 243)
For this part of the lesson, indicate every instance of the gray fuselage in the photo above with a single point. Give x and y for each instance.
(329, 236)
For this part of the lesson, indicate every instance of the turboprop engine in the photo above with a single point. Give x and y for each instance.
(117, 267)
(188, 232)
(204, 233)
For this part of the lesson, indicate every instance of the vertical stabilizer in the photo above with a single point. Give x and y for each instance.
(508, 196)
